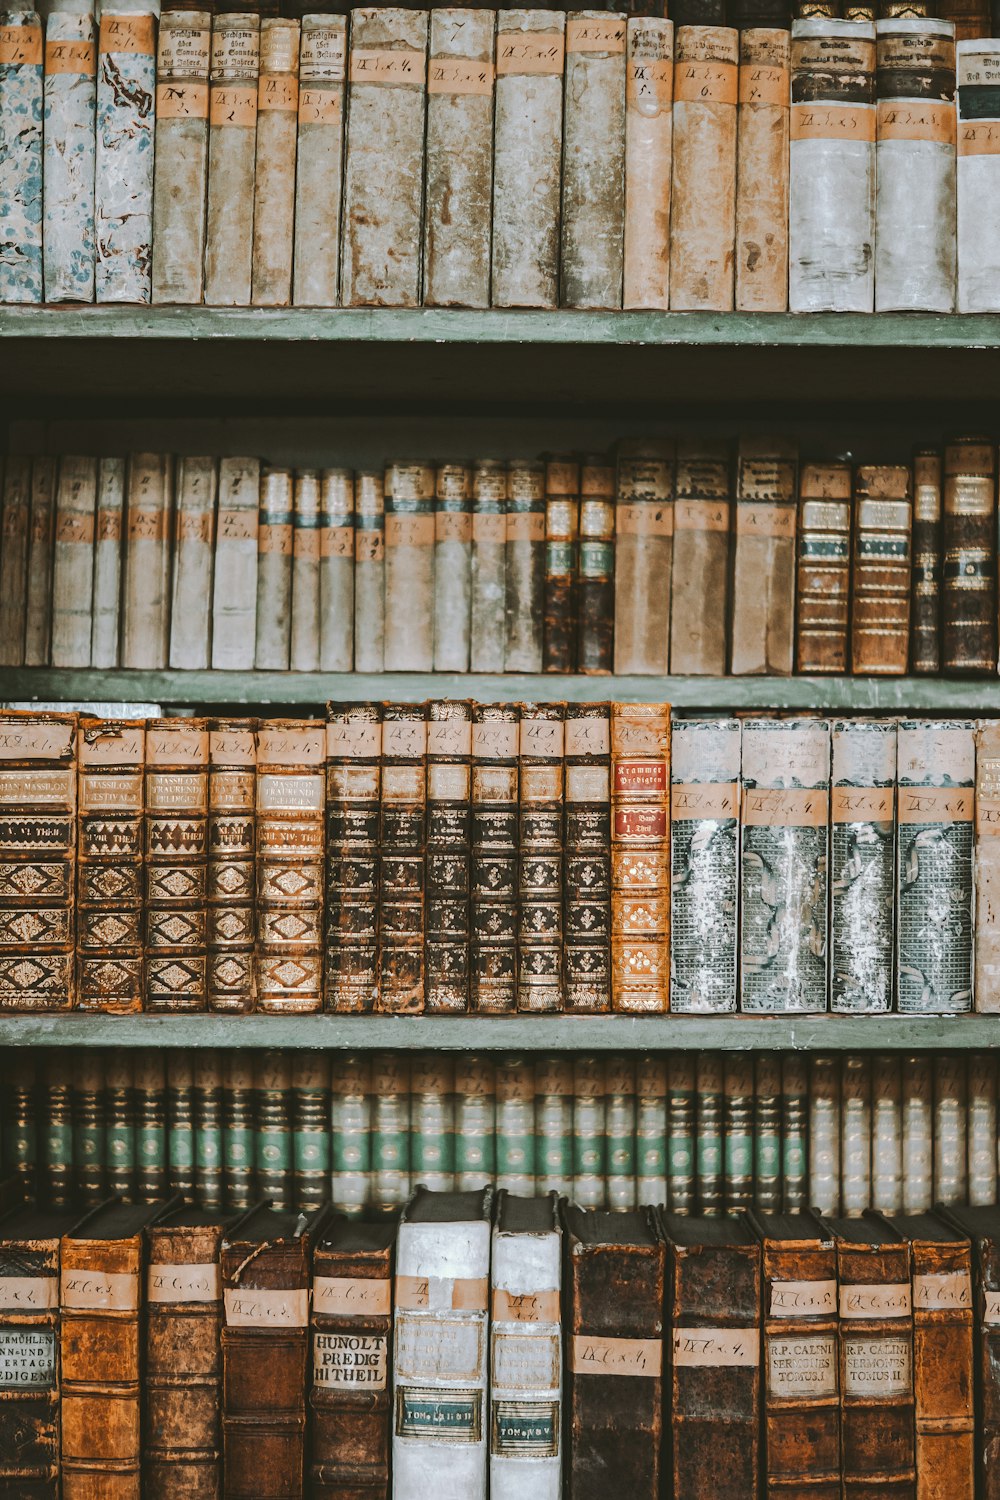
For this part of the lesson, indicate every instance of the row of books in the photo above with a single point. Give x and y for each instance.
(669, 557)
(513, 158)
(703, 1133)
(455, 857)
(507, 1345)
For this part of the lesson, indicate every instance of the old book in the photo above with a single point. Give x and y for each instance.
(801, 1421)
(265, 1261)
(968, 582)
(764, 556)
(336, 571)
(831, 229)
(643, 555)
(704, 839)
(439, 1343)
(862, 876)
(488, 584)
(448, 860)
(651, 1129)
(73, 561)
(21, 96)
(649, 125)
(494, 849)
(319, 161)
(709, 1178)
(703, 225)
(978, 71)
(274, 168)
(180, 181)
(981, 1226)
(934, 895)
(234, 590)
(767, 1135)
(230, 888)
(290, 842)
(232, 140)
(516, 1154)
(737, 1146)
(589, 1145)
(762, 175)
(619, 1127)
(402, 879)
(714, 1312)
(38, 599)
(562, 544)
(390, 1130)
(527, 167)
(950, 1161)
(182, 1431)
(311, 1158)
(525, 566)
(194, 545)
(409, 565)
(104, 634)
(459, 183)
(925, 592)
(69, 145)
(123, 186)
(614, 1276)
(640, 857)
(304, 628)
(987, 867)
(88, 1126)
(383, 167)
(276, 519)
(784, 887)
(176, 857)
(180, 1122)
(272, 1085)
(541, 747)
(981, 1126)
(150, 1114)
(350, 1400)
(369, 572)
(887, 1134)
(146, 584)
(918, 1162)
(432, 1122)
(596, 581)
(353, 801)
(111, 756)
(554, 1109)
(824, 568)
(14, 533)
(593, 164)
(880, 574)
(351, 1109)
(55, 1176)
(699, 597)
(526, 1350)
(119, 1101)
(453, 521)
(237, 1129)
(587, 858)
(475, 1106)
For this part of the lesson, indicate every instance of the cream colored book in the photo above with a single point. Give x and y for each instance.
(194, 541)
(274, 174)
(234, 592)
(146, 603)
(105, 628)
(38, 603)
(73, 562)
(319, 167)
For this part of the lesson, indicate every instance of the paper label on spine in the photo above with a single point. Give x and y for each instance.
(351, 1297)
(803, 1299)
(787, 807)
(595, 34)
(592, 1355)
(374, 65)
(442, 1293)
(27, 1358)
(877, 1367)
(875, 1301)
(715, 1347)
(804, 1366)
(924, 121)
(525, 1361)
(760, 84)
(99, 1291)
(991, 1308)
(525, 1429)
(753, 519)
(530, 52)
(444, 1348)
(29, 1293)
(705, 83)
(350, 1361)
(267, 1309)
(439, 1416)
(943, 1291)
(459, 75)
(833, 122)
(21, 44)
(936, 804)
(714, 801)
(69, 57)
(184, 1283)
(128, 33)
(701, 515)
(320, 107)
(862, 804)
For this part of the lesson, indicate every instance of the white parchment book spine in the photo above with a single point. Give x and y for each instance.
(68, 158)
(194, 537)
(146, 612)
(104, 633)
(180, 180)
(73, 562)
(234, 609)
(274, 570)
(526, 1367)
(38, 611)
(123, 194)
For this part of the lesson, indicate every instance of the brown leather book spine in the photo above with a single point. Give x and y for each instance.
(595, 643)
(986, 1316)
(182, 1447)
(29, 1362)
(562, 532)
(699, 602)
(446, 950)
(587, 872)
(494, 874)
(762, 171)
(231, 916)
(640, 857)
(764, 557)
(703, 219)
(291, 755)
(881, 568)
(968, 582)
(824, 568)
(644, 545)
(943, 1362)
(353, 782)
(176, 847)
(401, 873)
(925, 604)
(540, 873)
(111, 755)
(37, 861)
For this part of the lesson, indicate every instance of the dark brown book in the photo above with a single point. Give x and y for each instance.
(596, 599)
(111, 755)
(446, 949)
(353, 782)
(176, 851)
(494, 874)
(401, 870)
(540, 870)
(351, 1401)
(982, 1227)
(714, 1317)
(968, 577)
(232, 760)
(587, 873)
(925, 603)
(824, 568)
(614, 1280)
(881, 568)
(265, 1352)
(562, 536)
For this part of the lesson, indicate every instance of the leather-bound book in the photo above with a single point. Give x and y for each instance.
(232, 137)
(310, 1129)
(714, 1312)
(56, 1175)
(649, 128)
(562, 531)
(596, 586)
(925, 599)
(862, 874)
(353, 781)
(525, 566)
(38, 831)
(488, 584)
(149, 1106)
(593, 170)
(119, 1098)
(705, 851)
(968, 583)
(494, 870)
(880, 572)
(824, 568)
(102, 1264)
(182, 1430)
(402, 875)
(762, 162)
(351, 1111)
(540, 870)
(409, 559)
(703, 225)
(640, 856)
(176, 830)
(88, 1127)
(614, 1278)
(291, 755)
(111, 755)
(587, 859)
(231, 907)
(272, 1154)
(643, 556)
(207, 1101)
(699, 595)
(981, 1226)
(737, 1140)
(237, 1128)
(987, 865)
(274, 164)
(801, 1419)
(453, 545)
(764, 556)
(446, 948)
(350, 1402)
(181, 156)
(319, 161)
(265, 1259)
(14, 558)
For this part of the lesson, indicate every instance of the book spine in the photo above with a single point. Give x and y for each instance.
(596, 585)
(384, 165)
(880, 582)
(918, 1164)
(764, 557)
(237, 1129)
(29, 1378)
(934, 893)
(19, 1125)
(525, 567)
(824, 568)
(310, 1130)
(402, 876)
(207, 1099)
(290, 875)
(643, 557)
(89, 1154)
(704, 839)
(475, 1123)
(587, 862)
(459, 187)
(452, 567)
(353, 804)
(699, 596)
(709, 1136)
(794, 1134)
(70, 90)
(432, 1122)
(38, 604)
(234, 593)
(232, 142)
(123, 190)
(110, 866)
(640, 857)
(14, 559)
(527, 166)
(515, 1126)
(540, 983)
(982, 1129)
(949, 1130)
(915, 165)
(146, 603)
(104, 634)
(274, 170)
(351, 1182)
(831, 192)
(987, 866)
(762, 181)
(369, 573)
(526, 1359)
(562, 546)
(493, 950)
(862, 874)
(651, 1130)
(73, 562)
(876, 1369)
(925, 599)
(619, 1132)
(887, 1136)
(649, 124)
(976, 170)
(488, 593)
(784, 888)
(150, 1111)
(409, 567)
(56, 1166)
(855, 1134)
(180, 181)
(275, 524)
(319, 165)
(593, 169)
(180, 1123)
(968, 588)
(304, 631)
(449, 754)
(703, 225)
(176, 849)
(767, 1133)
(336, 571)
(390, 1129)
(943, 1355)
(272, 1083)
(21, 99)
(194, 545)
(554, 1125)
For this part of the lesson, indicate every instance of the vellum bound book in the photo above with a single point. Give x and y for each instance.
(862, 893)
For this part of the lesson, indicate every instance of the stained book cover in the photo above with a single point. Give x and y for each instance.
(862, 867)
(319, 164)
(764, 556)
(703, 225)
(448, 860)
(762, 175)
(176, 857)
(123, 191)
(587, 860)
(231, 875)
(180, 180)
(562, 555)
(643, 557)
(409, 566)
(976, 167)
(981, 1225)
(649, 127)
(110, 877)
(235, 69)
(524, 601)
(640, 857)
(291, 756)
(880, 576)
(73, 562)
(705, 854)
(699, 603)
(69, 146)
(968, 579)
(593, 167)
(455, 612)
(353, 785)
(596, 587)
(274, 164)
(540, 871)
(402, 879)
(925, 603)
(823, 586)
(494, 870)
